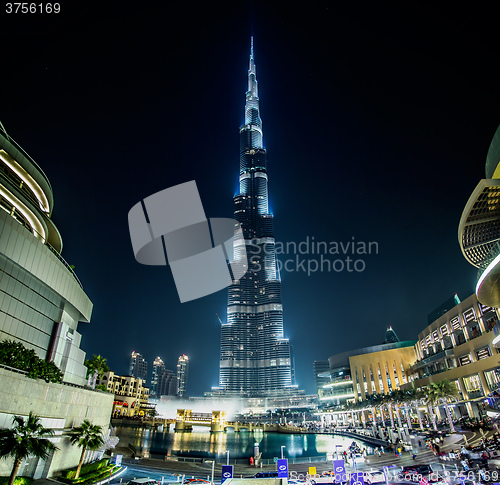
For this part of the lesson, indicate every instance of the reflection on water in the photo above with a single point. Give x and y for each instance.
(201, 443)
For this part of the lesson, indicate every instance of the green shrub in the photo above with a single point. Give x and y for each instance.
(15, 354)
(91, 477)
(17, 481)
(86, 469)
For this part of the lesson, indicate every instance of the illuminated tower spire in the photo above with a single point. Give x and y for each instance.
(255, 355)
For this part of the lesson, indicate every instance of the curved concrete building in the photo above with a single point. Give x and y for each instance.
(479, 229)
(41, 303)
(41, 298)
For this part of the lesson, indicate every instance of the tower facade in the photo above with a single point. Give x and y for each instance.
(138, 366)
(158, 368)
(182, 374)
(255, 356)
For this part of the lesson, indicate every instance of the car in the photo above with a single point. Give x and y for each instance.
(423, 470)
(433, 479)
(373, 476)
(392, 471)
(194, 481)
(142, 481)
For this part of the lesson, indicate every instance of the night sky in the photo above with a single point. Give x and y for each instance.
(376, 120)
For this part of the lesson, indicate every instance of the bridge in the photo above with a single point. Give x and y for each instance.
(216, 420)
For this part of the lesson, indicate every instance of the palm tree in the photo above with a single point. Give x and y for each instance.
(87, 436)
(441, 392)
(430, 404)
(398, 399)
(26, 438)
(97, 363)
(415, 397)
(388, 400)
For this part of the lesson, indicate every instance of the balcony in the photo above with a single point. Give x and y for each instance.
(432, 358)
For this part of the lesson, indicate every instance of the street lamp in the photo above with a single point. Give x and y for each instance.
(213, 465)
(282, 446)
(337, 450)
(227, 452)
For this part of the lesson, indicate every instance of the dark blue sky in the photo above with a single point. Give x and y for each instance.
(377, 122)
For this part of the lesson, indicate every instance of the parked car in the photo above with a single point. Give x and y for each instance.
(373, 476)
(415, 473)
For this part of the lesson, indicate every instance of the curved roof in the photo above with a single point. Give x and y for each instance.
(493, 158)
(479, 227)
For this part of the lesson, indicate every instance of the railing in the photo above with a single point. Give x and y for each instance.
(25, 154)
(475, 394)
(432, 358)
(64, 262)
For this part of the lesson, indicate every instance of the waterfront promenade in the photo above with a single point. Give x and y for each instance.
(372, 462)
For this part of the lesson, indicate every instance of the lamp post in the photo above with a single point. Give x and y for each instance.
(213, 465)
(337, 450)
(282, 446)
(227, 453)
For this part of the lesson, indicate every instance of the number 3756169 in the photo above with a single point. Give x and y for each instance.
(32, 7)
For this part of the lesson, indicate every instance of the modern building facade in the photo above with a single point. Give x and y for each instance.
(158, 369)
(479, 229)
(168, 384)
(182, 374)
(255, 356)
(458, 346)
(138, 366)
(383, 369)
(355, 374)
(320, 367)
(41, 298)
(41, 303)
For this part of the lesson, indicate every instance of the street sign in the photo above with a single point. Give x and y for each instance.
(283, 468)
(339, 471)
(357, 478)
(227, 473)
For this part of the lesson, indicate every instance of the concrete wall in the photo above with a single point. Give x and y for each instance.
(60, 406)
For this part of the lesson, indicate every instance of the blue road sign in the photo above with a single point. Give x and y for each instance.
(227, 472)
(283, 468)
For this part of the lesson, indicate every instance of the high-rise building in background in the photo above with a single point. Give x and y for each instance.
(138, 366)
(390, 336)
(158, 368)
(167, 383)
(182, 374)
(255, 356)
